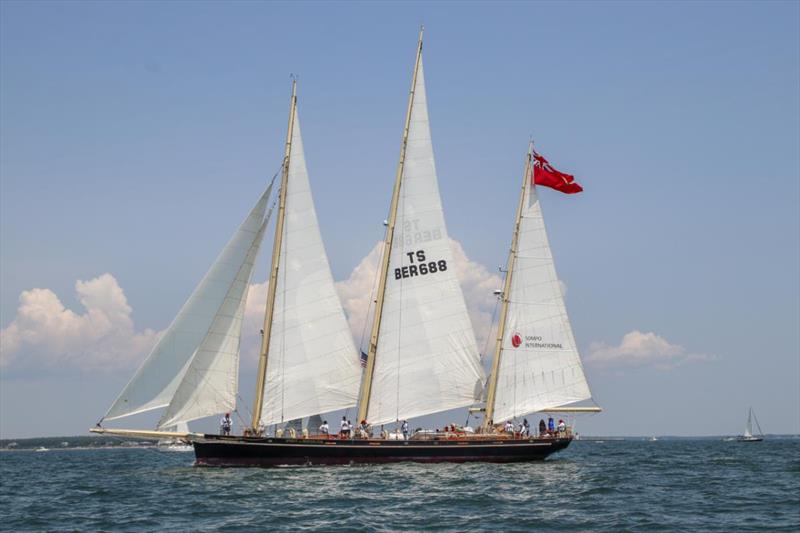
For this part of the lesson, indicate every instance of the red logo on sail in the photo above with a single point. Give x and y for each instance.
(516, 340)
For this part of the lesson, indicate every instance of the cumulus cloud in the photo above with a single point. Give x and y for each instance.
(476, 281)
(641, 349)
(45, 333)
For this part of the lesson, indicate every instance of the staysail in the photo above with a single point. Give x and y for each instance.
(312, 366)
(211, 381)
(158, 378)
(539, 366)
(426, 359)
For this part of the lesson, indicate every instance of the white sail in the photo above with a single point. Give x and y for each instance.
(748, 430)
(540, 367)
(210, 383)
(157, 379)
(427, 359)
(312, 366)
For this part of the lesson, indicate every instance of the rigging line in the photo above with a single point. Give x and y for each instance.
(284, 242)
(399, 311)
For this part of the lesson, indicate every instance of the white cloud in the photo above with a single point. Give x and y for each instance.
(45, 333)
(640, 349)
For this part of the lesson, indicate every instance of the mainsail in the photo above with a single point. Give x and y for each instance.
(312, 364)
(539, 366)
(426, 359)
(199, 322)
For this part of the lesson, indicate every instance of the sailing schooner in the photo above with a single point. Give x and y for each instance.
(422, 356)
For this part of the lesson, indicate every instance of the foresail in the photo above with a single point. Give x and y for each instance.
(540, 367)
(210, 383)
(312, 366)
(155, 382)
(427, 359)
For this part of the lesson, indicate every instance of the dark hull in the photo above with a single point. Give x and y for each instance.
(213, 450)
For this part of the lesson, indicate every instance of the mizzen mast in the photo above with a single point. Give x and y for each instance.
(273, 277)
(366, 384)
(501, 326)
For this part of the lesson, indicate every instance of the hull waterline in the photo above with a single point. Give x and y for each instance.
(213, 450)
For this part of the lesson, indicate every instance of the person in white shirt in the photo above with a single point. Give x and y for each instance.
(562, 426)
(225, 424)
(344, 427)
(324, 429)
(509, 426)
(404, 428)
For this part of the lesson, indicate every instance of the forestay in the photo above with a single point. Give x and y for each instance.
(157, 379)
(312, 366)
(427, 359)
(540, 367)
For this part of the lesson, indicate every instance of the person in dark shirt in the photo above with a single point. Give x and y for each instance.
(542, 427)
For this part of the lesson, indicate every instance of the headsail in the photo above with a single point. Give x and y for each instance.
(211, 381)
(426, 360)
(540, 367)
(155, 382)
(313, 366)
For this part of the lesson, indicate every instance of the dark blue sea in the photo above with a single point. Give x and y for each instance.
(698, 484)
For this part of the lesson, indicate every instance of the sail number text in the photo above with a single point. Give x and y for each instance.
(419, 266)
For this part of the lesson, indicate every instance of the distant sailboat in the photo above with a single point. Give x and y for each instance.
(748, 435)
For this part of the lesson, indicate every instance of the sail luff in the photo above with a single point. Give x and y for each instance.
(369, 370)
(276, 250)
(501, 325)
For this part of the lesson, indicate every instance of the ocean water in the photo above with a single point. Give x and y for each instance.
(701, 484)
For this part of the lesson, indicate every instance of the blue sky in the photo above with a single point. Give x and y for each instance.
(135, 136)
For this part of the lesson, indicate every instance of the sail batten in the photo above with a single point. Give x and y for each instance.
(155, 382)
(426, 358)
(313, 366)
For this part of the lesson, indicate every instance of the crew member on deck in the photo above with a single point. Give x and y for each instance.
(542, 427)
(225, 424)
(526, 428)
(509, 427)
(562, 426)
(344, 428)
(324, 429)
(404, 429)
(551, 425)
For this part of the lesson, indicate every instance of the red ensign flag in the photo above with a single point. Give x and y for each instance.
(545, 174)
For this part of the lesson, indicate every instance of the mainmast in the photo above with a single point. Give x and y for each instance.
(501, 326)
(273, 277)
(366, 385)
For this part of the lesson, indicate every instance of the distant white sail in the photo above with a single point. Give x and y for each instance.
(210, 383)
(540, 367)
(313, 366)
(156, 381)
(427, 359)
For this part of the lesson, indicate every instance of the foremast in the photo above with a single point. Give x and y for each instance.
(501, 326)
(366, 384)
(273, 278)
